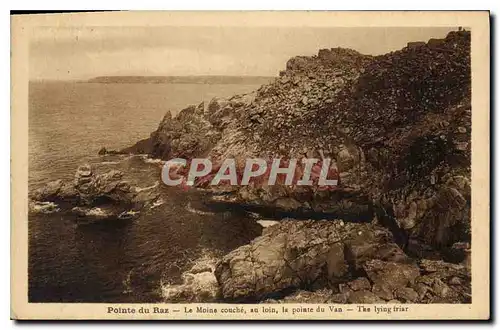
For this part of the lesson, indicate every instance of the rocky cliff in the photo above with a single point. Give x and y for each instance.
(398, 127)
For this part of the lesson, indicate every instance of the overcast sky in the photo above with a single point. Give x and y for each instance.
(80, 53)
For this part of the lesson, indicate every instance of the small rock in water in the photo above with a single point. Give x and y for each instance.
(198, 284)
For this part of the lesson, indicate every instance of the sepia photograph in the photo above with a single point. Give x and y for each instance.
(255, 170)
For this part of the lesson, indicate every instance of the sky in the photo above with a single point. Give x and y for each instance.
(81, 53)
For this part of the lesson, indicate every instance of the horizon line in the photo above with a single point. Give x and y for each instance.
(151, 76)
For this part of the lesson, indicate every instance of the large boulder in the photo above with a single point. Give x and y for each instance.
(443, 282)
(183, 136)
(300, 254)
(93, 195)
(198, 283)
(94, 188)
(322, 261)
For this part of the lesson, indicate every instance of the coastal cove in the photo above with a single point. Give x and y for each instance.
(395, 228)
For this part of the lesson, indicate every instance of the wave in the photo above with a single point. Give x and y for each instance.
(253, 215)
(44, 207)
(224, 198)
(95, 212)
(127, 283)
(149, 160)
(199, 283)
(190, 209)
(267, 223)
(128, 214)
(264, 223)
(114, 159)
(110, 162)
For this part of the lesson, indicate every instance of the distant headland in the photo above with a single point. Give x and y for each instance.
(258, 80)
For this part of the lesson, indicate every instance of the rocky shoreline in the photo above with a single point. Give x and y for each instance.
(397, 229)
(94, 197)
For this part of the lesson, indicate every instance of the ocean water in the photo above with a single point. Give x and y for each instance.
(117, 262)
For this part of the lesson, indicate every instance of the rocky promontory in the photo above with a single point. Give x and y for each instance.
(398, 127)
(93, 197)
(354, 263)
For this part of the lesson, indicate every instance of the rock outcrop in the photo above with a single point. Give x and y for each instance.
(300, 254)
(93, 196)
(335, 261)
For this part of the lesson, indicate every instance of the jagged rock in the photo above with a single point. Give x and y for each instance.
(446, 220)
(83, 171)
(335, 261)
(421, 289)
(394, 108)
(455, 281)
(56, 191)
(294, 254)
(366, 247)
(339, 298)
(440, 289)
(345, 158)
(198, 284)
(389, 276)
(183, 136)
(398, 127)
(217, 109)
(432, 287)
(92, 187)
(49, 191)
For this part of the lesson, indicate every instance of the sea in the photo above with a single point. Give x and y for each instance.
(128, 261)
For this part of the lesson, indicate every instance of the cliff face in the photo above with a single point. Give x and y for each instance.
(282, 119)
(397, 125)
